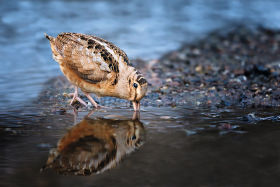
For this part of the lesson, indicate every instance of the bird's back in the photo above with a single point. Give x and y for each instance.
(91, 58)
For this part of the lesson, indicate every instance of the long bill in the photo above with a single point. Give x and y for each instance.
(136, 105)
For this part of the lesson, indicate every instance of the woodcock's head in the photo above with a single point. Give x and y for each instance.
(137, 89)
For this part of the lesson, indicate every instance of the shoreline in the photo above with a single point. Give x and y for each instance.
(240, 68)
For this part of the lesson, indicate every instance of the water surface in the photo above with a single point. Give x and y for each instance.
(181, 147)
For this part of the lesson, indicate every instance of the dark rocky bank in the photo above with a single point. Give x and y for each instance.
(238, 68)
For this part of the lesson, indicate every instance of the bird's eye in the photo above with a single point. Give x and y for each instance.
(135, 85)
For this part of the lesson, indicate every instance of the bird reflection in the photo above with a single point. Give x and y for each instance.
(95, 145)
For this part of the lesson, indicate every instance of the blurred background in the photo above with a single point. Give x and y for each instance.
(143, 29)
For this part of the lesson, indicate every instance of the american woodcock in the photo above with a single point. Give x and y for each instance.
(97, 66)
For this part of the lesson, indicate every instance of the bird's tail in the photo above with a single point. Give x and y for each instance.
(49, 37)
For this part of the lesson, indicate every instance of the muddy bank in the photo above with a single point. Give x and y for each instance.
(238, 68)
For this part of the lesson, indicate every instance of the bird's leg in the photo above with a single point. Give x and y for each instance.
(91, 100)
(76, 97)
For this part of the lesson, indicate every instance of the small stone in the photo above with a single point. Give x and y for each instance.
(89, 105)
(198, 69)
(8, 129)
(196, 52)
(165, 117)
(190, 132)
(168, 80)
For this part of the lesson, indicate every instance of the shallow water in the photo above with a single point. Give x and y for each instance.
(144, 29)
(176, 147)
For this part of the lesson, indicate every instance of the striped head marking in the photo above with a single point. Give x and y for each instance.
(138, 86)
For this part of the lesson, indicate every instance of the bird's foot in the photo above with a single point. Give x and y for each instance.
(76, 97)
(93, 102)
(97, 106)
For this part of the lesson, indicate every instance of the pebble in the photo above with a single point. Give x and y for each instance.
(165, 117)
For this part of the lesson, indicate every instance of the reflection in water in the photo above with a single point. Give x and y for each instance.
(95, 145)
(198, 147)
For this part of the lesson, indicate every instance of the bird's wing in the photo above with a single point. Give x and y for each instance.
(87, 57)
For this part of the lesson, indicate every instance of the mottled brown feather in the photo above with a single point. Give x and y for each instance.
(85, 57)
(115, 49)
(99, 49)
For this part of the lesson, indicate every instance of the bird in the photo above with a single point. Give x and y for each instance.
(95, 145)
(97, 66)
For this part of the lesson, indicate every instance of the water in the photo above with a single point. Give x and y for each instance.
(144, 29)
(166, 147)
